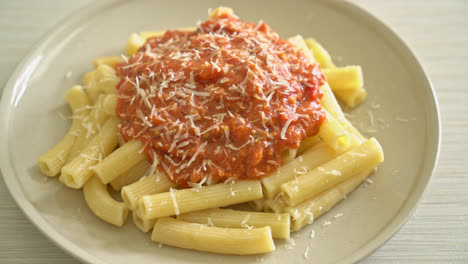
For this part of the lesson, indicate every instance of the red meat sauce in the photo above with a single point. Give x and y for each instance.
(220, 103)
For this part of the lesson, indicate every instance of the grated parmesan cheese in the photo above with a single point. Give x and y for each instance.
(245, 220)
(401, 119)
(326, 223)
(174, 201)
(210, 222)
(285, 128)
(291, 243)
(165, 90)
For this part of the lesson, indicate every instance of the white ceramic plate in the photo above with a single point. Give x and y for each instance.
(406, 122)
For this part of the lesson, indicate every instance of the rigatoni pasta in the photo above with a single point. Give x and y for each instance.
(119, 161)
(330, 103)
(177, 202)
(279, 223)
(89, 126)
(200, 237)
(51, 162)
(110, 61)
(79, 170)
(321, 55)
(347, 82)
(110, 103)
(344, 78)
(366, 156)
(305, 212)
(311, 158)
(130, 176)
(153, 184)
(198, 119)
(101, 203)
(142, 224)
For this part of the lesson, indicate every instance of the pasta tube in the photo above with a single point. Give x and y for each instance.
(102, 80)
(110, 61)
(106, 79)
(134, 43)
(279, 223)
(110, 104)
(335, 135)
(344, 78)
(101, 203)
(347, 83)
(137, 40)
(149, 34)
(195, 199)
(257, 205)
(156, 183)
(330, 103)
(312, 158)
(89, 127)
(299, 42)
(130, 176)
(307, 143)
(221, 10)
(320, 53)
(178, 233)
(144, 225)
(366, 156)
(352, 97)
(276, 205)
(289, 155)
(51, 162)
(78, 171)
(90, 86)
(120, 161)
(305, 212)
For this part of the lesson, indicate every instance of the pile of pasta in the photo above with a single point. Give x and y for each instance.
(314, 177)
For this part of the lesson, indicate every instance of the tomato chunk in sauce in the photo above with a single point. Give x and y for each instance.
(219, 103)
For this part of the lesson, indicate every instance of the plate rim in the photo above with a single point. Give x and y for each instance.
(7, 97)
(430, 159)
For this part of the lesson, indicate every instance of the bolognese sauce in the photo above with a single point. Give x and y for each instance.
(221, 102)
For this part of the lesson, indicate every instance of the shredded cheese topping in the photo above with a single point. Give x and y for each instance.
(222, 101)
(174, 201)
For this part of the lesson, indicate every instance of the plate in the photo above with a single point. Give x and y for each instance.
(401, 112)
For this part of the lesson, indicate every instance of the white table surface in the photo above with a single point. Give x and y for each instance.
(436, 30)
